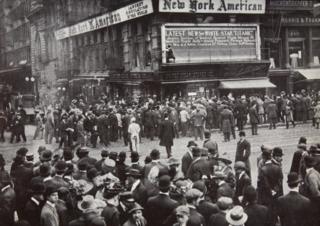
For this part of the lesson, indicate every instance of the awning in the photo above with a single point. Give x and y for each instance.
(189, 81)
(8, 70)
(257, 83)
(310, 74)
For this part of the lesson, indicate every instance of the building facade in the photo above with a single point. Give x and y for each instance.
(291, 33)
(132, 48)
(17, 84)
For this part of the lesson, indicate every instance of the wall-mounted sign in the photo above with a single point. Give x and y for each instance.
(300, 21)
(213, 6)
(123, 14)
(183, 43)
(289, 5)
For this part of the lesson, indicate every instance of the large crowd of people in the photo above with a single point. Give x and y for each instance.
(68, 187)
(71, 188)
(83, 123)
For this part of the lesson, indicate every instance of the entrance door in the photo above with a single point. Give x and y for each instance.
(297, 53)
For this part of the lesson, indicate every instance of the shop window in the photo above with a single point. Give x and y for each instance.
(273, 53)
(297, 53)
(316, 52)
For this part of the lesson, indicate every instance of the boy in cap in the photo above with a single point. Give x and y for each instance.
(49, 214)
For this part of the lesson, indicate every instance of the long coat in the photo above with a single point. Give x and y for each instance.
(159, 209)
(243, 153)
(227, 121)
(7, 206)
(272, 110)
(186, 161)
(293, 209)
(270, 180)
(140, 194)
(241, 184)
(32, 212)
(254, 116)
(166, 133)
(257, 215)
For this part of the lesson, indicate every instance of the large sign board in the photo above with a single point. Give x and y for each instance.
(123, 14)
(188, 43)
(213, 6)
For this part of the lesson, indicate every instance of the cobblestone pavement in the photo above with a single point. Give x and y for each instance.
(285, 138)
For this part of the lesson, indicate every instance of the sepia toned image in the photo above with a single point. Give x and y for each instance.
(159, 113)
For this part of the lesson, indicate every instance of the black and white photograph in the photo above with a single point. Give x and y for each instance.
(159, 113)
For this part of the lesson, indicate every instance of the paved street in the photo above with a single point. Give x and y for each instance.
(286, 139)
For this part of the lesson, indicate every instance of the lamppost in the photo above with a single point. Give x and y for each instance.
(34, 84)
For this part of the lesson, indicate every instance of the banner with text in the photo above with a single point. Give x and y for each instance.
(123, 14)
(210, 43)
(213, 6)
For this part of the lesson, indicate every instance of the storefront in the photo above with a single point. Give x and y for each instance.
(293, 41)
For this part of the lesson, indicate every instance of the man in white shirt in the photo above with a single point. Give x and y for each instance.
(134, 130)
(184, 118)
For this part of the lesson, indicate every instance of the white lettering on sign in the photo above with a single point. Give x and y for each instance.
(123, 14)
(210, 43)
(213, 6)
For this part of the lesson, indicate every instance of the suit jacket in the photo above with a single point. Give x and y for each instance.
(225, 190)
(293, 209)
(206, 209)
(159, 208)
(198, 168)
(295, 165)
(195, 218)
(253, 114)
(257, 215)
(49, 216)
(241, 184)
(7, 206)
(270, 180)
(243, 153)
(32, 212)
(218, 219)
(166, 134)
(111, 215)
(186, 161)
(140, 194)
(312, 181)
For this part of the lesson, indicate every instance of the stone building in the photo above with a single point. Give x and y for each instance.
(132, 48)
(291, 33)
(18, 85)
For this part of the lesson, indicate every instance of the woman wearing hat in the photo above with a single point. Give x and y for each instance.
(90, 214)
(136, 218)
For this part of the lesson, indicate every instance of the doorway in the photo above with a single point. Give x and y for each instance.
(297, 53)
